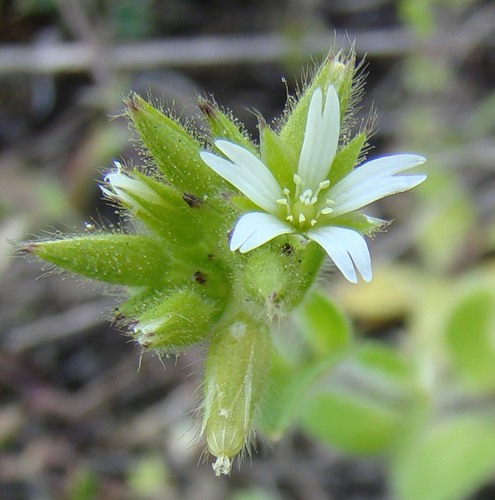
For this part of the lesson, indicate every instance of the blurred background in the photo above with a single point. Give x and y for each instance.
(83, 414)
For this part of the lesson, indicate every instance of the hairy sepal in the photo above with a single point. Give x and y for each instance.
(120, 259)
(175, 151)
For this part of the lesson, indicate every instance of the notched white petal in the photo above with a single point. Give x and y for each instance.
(380, 168)
(375, 180)
(244, 180)
(321, 138)
(359, 196)
(255, 229)
(347, 248)
(257, 171)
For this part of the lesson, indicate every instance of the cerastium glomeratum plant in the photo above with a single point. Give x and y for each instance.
(229, 234)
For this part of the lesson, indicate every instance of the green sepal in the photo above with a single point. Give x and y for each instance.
(175, 151)
(277, 155)
(347, 158)
(140, 299)
(337, 70)
(361, 223)
(223, 127)
(244, 204)
(307, 258)
(345, 86)
(182, 319)
(120, 259)
(236, 367)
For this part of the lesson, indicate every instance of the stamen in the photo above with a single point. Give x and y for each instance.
(327, 211)
(321, 185)
(290, 218)
(284, 201)
(297, 181)
(302, 218)
(313, 222)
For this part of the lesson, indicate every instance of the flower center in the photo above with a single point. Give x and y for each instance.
(302, 204)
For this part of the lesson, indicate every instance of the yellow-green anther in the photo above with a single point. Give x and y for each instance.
(236, 367)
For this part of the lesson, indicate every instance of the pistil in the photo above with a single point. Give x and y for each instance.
(300, 206)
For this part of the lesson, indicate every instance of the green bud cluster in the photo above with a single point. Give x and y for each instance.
(184, 286)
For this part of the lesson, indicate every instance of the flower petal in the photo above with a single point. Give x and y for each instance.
(122, 186)
(246, 172)
(254, 229)
(321, 138)
(373, 181)
(347, 248)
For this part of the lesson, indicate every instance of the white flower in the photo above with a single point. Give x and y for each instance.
(311, 205)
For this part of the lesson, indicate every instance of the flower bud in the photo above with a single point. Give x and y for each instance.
(175, 216)
(127, 190)
(120, 259)
(236, 367)
(279, 280)
(182, 319)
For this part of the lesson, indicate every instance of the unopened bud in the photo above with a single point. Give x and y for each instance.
(183, 319)
(237, 364)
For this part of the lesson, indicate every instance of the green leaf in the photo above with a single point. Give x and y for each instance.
(149, 477)
(418, 15)
(380, 359)
(451, 460)
(470, 338)
(324, 325)
(286, 387)
(254, 493)
(351, 423)
(120, 259)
